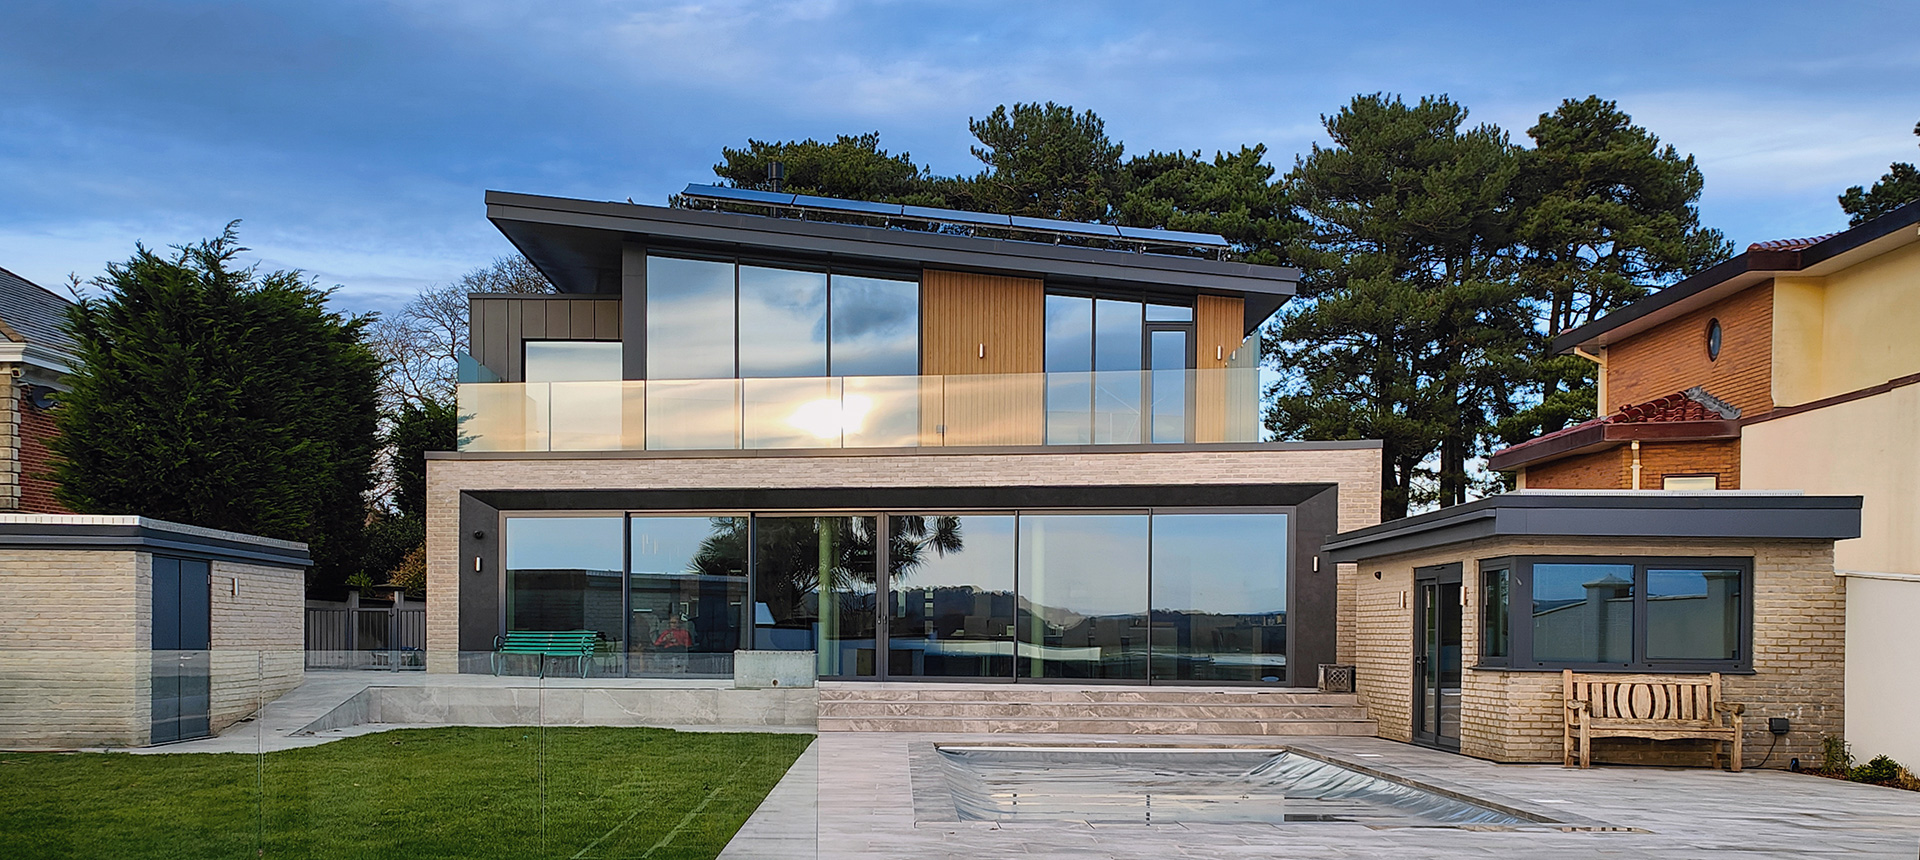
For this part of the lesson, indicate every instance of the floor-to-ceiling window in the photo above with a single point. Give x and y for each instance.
(1083, 596)
(952, 607)
(1219, 596)
(814, 589)
(1117, 370)
(687, 584)
(567, 573)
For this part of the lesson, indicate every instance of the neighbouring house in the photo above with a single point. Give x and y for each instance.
(128, 631)
(1793, 366)
(1460, 622)
(35, 353)
(912, 445)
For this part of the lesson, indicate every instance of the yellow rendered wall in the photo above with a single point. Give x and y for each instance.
(1853, 329)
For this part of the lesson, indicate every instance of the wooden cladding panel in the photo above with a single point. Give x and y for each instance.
(991, 326)
(1219, 325)
(981, 324)
(499, 325)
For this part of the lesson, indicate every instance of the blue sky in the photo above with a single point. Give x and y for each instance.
(355, 139)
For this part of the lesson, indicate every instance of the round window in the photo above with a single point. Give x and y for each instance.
(1713, 340)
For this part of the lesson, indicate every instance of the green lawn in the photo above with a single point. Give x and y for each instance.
(411, 793)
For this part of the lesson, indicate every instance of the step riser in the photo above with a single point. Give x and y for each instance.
(1275, 728)
(1128, 711)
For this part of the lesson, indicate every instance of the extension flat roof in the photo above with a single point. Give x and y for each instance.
(1751, 514)
(578, 245)
(1814, 257)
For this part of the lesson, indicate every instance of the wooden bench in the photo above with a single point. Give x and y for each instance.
(1659, 707)
(578, 644)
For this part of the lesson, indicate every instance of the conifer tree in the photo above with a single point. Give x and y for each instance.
(1899, 186)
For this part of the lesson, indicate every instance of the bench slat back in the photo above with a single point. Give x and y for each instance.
(1646, 697)
(560, 642)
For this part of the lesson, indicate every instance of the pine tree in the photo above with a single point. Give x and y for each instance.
(1899, 186)
(221, 397)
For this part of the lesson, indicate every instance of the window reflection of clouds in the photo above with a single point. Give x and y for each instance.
(876, 326)
(1069, 334)
(564, 543)
(1226, 564)
(783, 322)
(690, 319)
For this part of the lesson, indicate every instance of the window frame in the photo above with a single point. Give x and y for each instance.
(1520, 596)
(1486, 566)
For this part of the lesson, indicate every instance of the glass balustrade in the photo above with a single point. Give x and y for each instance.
(980, 410)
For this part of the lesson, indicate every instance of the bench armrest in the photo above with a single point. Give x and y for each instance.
(1581, 705)
(1729, 708)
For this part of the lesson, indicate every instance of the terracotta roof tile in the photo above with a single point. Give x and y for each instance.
(1790, 244)
(1693, 404)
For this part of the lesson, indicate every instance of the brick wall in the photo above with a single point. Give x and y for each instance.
(259, 649)
(75, 628)
(1355, 470)
(1672, 357)
(9, 439)
(37, 430)
(1612, 469)
(1798, 647)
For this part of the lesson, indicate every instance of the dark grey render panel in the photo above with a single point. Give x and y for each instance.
(1312, 602)
(633, 310)
(479, 590)
(533, 320)
(501, 324)
(1731, 514)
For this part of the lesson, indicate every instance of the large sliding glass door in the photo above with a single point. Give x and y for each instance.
(951, 611)
(814, 589)
(687, 591)
(1083, 596)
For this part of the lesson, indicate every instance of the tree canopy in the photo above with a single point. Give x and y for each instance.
(1899, 186)
(221, 397)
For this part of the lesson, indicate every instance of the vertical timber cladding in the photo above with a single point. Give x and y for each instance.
(499, 325)
(985, 334)
(1218, 327)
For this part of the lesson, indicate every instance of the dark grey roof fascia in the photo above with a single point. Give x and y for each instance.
(150, 538)
(1753, 261)
(36, 313)
(1623, 514)
(576, 243)
(957, 450)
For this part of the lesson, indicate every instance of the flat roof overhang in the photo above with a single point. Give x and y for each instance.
(1734, 514)
(1837, 252)
(578, 243)
(1600, 437)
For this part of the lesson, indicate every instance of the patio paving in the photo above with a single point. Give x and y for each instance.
(858, 791)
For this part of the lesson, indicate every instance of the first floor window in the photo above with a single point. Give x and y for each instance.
(1616, 613)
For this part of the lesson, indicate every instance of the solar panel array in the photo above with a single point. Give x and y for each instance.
(931, 215)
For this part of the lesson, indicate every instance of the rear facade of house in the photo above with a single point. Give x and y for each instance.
(918, 445)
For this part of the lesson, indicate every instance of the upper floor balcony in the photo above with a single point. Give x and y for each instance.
(960, 410)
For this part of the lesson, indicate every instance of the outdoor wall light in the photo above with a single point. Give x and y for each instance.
(1376, 574)
(479, 534)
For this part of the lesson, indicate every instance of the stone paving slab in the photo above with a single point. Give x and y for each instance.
(861, 788)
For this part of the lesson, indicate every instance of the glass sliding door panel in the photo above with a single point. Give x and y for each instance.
(565, 573)
(876, 326)
(692, 414)
(1583, 613)
(1117, 378)
(1220, 597)
(952, 596)
(690, 319)
(1083, 596)
(1069, 361)
(687, 593)
(814, 583)
(1168, 378)
(793, 413)
(783, 322)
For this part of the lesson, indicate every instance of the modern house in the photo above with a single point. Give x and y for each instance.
(919, 445)
(1793, 366)
(35, 352)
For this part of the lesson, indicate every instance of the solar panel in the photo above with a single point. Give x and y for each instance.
(740, 195)
(1049, 226)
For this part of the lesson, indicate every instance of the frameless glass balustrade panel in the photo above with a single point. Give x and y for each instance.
(693, 414)
(1693, 614)
(783, 322)
(502, 416)
(952, 596)
(1168, 379)
(794, 413)
(1069, 363)
(687, 592)
(890, 411)
(814, 589)
(1083, 596)
(1220, 597)
(1583, 613)
(1117, 377)
(876, 326)
(690, 319)
(565, 574)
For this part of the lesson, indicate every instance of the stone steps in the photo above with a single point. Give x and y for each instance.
(1087, 709)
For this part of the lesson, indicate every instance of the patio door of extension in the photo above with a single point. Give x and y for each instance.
(1436, 656)
(182, 693)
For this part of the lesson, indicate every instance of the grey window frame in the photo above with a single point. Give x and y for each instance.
(1488, 565)
(1520, 597)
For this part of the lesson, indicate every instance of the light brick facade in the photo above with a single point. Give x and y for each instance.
(1515, 716)
(1354, 467)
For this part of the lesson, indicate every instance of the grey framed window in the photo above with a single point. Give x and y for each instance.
(1632, 613)
(1496, 615)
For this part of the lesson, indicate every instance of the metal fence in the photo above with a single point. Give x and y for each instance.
(373, 633)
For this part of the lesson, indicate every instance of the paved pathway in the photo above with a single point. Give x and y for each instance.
(857, 793)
